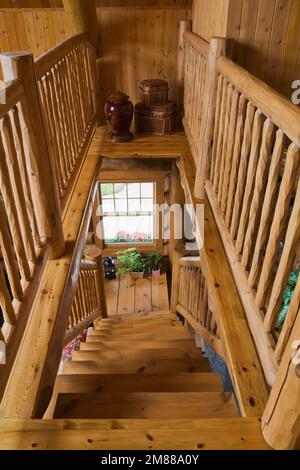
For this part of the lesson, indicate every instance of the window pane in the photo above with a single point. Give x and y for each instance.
(134, 205)
(106, 190)
(147, 190)
(147, 205)
(108, 205)
(133, 190)
(121, 205)
(120, 190)
(126, 229)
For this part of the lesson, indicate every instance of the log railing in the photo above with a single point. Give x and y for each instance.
(249, 168)
(47, 118)
(195, 70)
(190, 299)
(86, 306)
(29, 220)
(66, 79)
(254, 191)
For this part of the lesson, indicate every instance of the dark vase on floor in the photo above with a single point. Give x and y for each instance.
(119, 114)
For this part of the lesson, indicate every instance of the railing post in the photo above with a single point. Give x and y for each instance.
(20, 66)
(93, 253)
(281, 418)
(178, 253)
(184, 25)
(217, 49)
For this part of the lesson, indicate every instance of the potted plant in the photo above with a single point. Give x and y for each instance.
(130, 261)
(152, 263)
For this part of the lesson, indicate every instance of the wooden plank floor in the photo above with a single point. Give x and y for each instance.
(125, 296)
(142, 146)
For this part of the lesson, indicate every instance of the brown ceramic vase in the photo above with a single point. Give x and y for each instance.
(119, 113)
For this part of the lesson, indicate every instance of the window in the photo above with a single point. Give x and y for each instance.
(128, 212)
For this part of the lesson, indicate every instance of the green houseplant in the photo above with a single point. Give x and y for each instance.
(130, 261)
(152, 263)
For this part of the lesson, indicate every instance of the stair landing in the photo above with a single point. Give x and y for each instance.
(125, 295)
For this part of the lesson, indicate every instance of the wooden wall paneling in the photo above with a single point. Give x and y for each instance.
(137, 42)
(289, 71)
(265, 32)
(100, 3)
(210, 18)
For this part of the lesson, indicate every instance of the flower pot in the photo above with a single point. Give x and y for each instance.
(156, 272)
(136, 275)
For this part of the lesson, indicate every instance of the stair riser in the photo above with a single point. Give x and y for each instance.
(133, 354)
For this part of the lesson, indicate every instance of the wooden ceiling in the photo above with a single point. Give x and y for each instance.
(100, 3)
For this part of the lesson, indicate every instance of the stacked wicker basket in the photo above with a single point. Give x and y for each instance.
(155, 114)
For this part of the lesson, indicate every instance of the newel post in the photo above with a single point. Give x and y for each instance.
(93, 253)
(281, 418)
(216, 49)
(20, 66)
(177, 255)
(184, 25)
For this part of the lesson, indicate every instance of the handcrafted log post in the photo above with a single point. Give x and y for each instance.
(93, 253)
(281, 419)
(20, 66)
(178, 253)
(217, 49)
(184, 25)
(176, 197)
(98, 221)
(82, 15)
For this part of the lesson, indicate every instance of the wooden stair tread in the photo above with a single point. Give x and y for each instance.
(138, 366)
(138, 344)
(171, 322)
(181, 382)
(145, 405)
(95, 383)
(121, 354)
(150, 334)
(158, 331)
(140, 316)
(133, 434)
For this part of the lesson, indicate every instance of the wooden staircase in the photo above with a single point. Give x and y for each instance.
(156, 372)
(145, 385)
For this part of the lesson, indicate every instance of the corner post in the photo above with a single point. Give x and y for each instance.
(184, 25)
(217, 49)
(178, 253)
(20, 66)
(82, 15)
(93, 253)
(281, 418)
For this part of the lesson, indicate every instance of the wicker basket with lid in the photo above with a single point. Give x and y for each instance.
(154, 92)
(157, 120)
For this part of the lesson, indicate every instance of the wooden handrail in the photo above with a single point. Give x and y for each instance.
(46, 61)
(235, 338)
(12, 92)
(20, 66)
(66, 80)
(280, 421)
(197, 52)
(28, 218)
(249, 169)
(86, 305)
(198, 43)
(274, 105)
(49, 112)
(56, 343)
